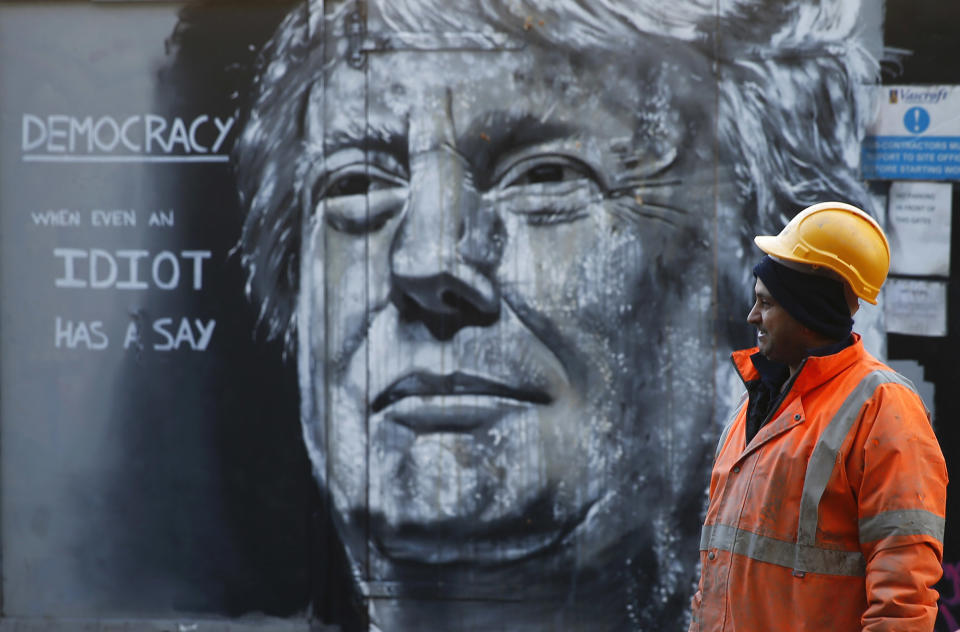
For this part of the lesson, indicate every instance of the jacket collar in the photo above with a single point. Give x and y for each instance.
(814, 370)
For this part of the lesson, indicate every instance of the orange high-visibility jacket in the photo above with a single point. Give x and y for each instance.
(832, 518)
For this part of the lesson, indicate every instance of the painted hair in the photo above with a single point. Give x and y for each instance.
(789, 76)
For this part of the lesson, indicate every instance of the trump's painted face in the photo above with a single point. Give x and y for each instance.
(504, 312)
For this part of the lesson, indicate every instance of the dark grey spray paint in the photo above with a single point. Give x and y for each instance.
(504, 248)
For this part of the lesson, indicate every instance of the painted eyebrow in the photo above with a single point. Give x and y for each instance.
(369, 137)
(490, 137)
(482, 143)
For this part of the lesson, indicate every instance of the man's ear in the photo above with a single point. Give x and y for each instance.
(853, 303)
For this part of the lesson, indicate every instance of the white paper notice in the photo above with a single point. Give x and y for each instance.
(916, 308)
(919, 228)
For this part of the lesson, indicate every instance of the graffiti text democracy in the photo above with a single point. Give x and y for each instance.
(136, 134)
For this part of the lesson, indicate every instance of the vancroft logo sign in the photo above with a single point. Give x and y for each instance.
(130, 138)
(915, 134)
(918, 96)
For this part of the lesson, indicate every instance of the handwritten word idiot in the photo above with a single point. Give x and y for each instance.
(129, 269)
(136, 134)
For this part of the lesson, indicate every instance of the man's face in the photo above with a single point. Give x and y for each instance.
(779, 335)
(505, 295)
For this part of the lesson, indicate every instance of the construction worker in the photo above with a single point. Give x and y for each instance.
(828, 491)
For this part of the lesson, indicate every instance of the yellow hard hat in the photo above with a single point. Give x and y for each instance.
(839, 237)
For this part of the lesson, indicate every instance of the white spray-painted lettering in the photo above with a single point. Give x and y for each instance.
(135, 134)
(99, 269)
(71, 334)
(194, 334)
(115, 217)
(161, 218)
(184, 335)
(59, 217)
(101, 218)
(107, 270)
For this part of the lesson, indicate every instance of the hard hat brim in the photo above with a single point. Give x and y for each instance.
(772, 245)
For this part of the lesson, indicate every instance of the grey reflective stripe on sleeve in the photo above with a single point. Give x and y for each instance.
(729, 424)
(825, 453)
(782, 553)
(901, 522)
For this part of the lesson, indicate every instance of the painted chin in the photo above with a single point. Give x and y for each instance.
(459, 540)
(472, 489)
(433, 466)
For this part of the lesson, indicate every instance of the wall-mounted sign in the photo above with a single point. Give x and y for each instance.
(919, 228)
(915, 307)
(915, 135)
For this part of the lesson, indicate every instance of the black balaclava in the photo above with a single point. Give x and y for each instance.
(817, 302)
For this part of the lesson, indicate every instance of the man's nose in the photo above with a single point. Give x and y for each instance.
(753, 316)
(446, 251)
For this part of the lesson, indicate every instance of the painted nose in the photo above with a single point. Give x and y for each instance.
(446, 251)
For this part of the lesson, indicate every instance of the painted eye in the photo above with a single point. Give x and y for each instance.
(544, 171)
(355, 184)
(548, 188)
(360, 198)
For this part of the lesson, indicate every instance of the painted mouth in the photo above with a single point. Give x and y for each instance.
(454, 402)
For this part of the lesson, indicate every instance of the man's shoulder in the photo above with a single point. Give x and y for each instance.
(880, 373)
(890, 393)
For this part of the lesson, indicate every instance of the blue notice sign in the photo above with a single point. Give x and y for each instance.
(910, 158)
(916, 135)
